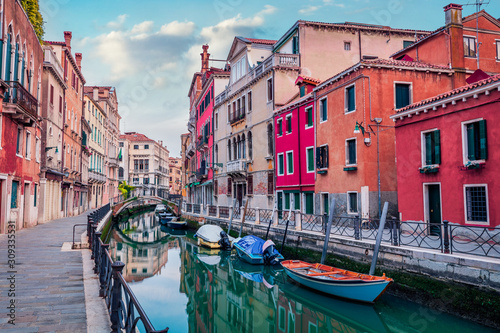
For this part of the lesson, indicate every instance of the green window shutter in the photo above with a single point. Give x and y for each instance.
(289, 124)
(471, 153)
(280, 204)
(34, 202)
(352, 102)
(325, 157)
(8, 58)
(280, 128)
(309, 203)
(352, 151)
(437, 147)
(428, 148)
(302, 91)
(310, 159)
(326, 203)
(309, 117)
(353, 200)
(16, 64)
(295, 45)
(318, 157)
(1, 58)
(483, 142)
(13, 199)
(289, 162)
(402, 95)
(296, 201)
(324, 115)
(281, 165)
(287, 201)
(22, 71)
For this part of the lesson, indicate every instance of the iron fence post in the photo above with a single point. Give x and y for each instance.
(357, 223)
(395, 234)
(90, 221)
(117, 267)
(93, 227)
(446, 241)
(325, 222)
(97, 253)
(102, 270)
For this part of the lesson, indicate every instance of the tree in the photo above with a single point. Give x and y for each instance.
(125, 189)
(33, 11)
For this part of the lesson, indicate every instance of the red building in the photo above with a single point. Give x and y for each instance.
(294, 149)
(447, 167)
(21, 58)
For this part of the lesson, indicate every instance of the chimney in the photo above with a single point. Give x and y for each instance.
(67, 39)
(204, 59)
(453, 14)
(453, 20)
(78, 58)
(95, 96)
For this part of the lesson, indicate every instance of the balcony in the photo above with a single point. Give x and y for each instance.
(113, 162)
(96, 177)
(237, 167)
(190, 150)
(237, 116)
(20, 103)
(141, 170)
(50, 61)
(202, 143)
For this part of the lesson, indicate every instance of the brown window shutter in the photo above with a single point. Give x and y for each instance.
(270, 182)
(216, 187)
(250, 184)
(229, 186)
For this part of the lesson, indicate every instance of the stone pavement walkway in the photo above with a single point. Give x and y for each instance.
(49, 283)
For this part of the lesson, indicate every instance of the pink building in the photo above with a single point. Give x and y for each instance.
(447, 168)
(295, 150)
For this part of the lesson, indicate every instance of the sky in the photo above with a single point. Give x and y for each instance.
(150, 49)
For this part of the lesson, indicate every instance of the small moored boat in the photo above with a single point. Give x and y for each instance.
(165, 217)
(160, 208)
(256, 251)
(336, 281)
(177, 223)
(213, 237)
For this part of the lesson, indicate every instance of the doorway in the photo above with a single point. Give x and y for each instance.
(26, 209)
(433, 208)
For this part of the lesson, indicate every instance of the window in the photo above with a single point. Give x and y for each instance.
(34, 197)
(302, 90)
(28, 145)
(475, 141)
(146, 165)
(243, 104)
(145, 180)
(352, 202)
(19, 141)
(250, 147)
(295, 45)
(312, 328)
(60, 104)
(322, 157)
(309, 117)
(431, 149)
(270, 183)
(402, 95)
(289, 162)
(350, 99)
(350, 152)
(281, 164)
(146, 146)
(289, 123)
(498, 49)
(216, 187)
(229, 186)
(407, 43)
(281, 323)
(309, 201)
(279, 124)
(120, 172)
(310, 159)
(120, 144)
(250, 184)
(476, 203)
(347, 46)
(270, 89)
(51, 95)
(469, 46)
(13, 198)
(296, 201)
(136, 146)
(287, 200)
(136, 181)
(270, 140)
(249, 101)
(216, 120)
(323, 116)
(37, 150)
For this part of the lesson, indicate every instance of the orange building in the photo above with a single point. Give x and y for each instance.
(72, 188)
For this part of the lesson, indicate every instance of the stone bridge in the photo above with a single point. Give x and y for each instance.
(144, 200)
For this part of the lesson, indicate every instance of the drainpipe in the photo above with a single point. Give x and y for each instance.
(359, 41)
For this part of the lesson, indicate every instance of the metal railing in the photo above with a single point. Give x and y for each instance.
(124, 309)
(265, 215)
(17, 94)
(251, 214)
(196, 208)
(224, 212)
(313, 222)
(212, 210)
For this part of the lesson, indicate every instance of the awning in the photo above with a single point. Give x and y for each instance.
(194, 184)
(209, 182)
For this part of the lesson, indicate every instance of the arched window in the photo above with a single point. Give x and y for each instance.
(120, 172)
(239, 147)
(8, 57)
(250, 151)
(270, 141)
(229, 150)
(243, 148)
(16, 62)
(235, 149)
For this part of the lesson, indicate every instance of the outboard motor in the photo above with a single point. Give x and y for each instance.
(269, 253)
(224, 242)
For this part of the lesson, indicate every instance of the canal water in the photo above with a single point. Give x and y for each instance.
(192, 289)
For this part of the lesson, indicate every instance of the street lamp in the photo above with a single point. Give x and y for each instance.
(357, 128)
(49, 148)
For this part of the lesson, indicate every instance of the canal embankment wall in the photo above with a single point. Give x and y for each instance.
(479, 271)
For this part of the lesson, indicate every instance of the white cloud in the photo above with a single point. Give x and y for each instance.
(118, 23)
(112, 49)
(176, 28)
(143, 27)
(309, 9)
(268, 10)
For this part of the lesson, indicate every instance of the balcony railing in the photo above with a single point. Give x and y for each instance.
(113, 161)
(95, 176)
(236, 166)
(141, 170)
(237, 117)
(18, 95)
(50, 59)
(202, 143)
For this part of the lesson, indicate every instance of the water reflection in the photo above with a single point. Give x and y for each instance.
(193, 289)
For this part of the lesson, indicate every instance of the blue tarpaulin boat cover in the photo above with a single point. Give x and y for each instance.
(253, 245)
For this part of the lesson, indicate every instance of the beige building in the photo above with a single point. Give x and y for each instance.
(96, 118)
(52, 106)
(175, 171)
(263, 75)
(148, 164)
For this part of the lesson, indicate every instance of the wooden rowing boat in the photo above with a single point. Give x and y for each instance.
(336, 281)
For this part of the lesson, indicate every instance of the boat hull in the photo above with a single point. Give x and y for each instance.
(358, 290)
(249, 258)
(210, 245)
(177, 224)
